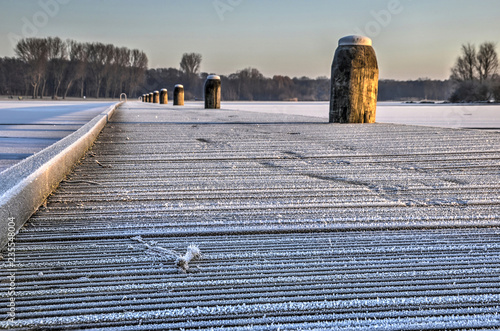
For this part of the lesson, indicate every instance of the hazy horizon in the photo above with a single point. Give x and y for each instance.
(294, 37)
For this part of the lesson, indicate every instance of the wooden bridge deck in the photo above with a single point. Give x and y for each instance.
(301, 225)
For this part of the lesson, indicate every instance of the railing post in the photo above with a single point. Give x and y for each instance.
(179, 95)
(212, 92)
(354, 81)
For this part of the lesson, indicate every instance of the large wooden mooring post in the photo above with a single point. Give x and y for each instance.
(212, 92)
(179, 95)
(164, 96)
(354, 82)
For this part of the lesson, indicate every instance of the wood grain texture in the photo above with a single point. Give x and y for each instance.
(179, 96)
(212, 94)
(354, 85)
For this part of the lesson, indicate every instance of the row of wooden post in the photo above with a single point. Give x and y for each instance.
(212, 94)
(354, 84)
(161, 97)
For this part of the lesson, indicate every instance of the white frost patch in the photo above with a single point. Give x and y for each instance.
(355, 40)
(193, 253)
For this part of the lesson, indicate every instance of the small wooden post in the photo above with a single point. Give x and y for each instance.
(164, 96)
(156, 97)
(144, 98)
(212, 92)
(179, 95)
(354, 81)
(150, 98)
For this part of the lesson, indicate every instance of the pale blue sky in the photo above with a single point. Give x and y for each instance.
(421, 38)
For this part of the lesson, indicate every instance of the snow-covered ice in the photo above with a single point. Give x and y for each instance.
(28, 127)
(438, 115)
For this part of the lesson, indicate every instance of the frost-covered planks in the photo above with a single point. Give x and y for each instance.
(300, 224)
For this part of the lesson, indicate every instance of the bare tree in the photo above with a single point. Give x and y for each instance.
(190, 67)
(109, 69)
(466, 65)
(33, 51)
(190, 63)
(77, 66)
(57, 55)
(474, 73)
(119, 70)
(137, 70)
(98, 61)
(487, 61)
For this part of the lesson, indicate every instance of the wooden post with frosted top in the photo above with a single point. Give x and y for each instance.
(354, 82)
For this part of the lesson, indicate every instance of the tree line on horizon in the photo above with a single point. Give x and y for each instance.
(250, 84)
(474, 78)
(51, 67)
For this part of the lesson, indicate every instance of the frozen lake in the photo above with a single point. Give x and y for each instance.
(439, 115)
(28, 127)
